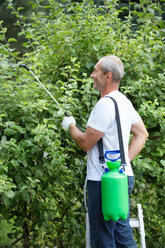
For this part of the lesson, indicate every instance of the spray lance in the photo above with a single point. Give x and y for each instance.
(39, 82)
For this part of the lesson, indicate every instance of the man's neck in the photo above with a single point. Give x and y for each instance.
(108, 91)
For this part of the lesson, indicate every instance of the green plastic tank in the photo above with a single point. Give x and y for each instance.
(114, 189)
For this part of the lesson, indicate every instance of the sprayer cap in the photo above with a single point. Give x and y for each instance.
(113, 165)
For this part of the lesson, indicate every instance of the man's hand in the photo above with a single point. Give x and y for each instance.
(67, 121)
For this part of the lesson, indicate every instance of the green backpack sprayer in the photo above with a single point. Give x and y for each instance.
(114, 187)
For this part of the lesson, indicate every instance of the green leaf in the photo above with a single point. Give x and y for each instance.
(12, 40)
(9, 194)
(20, 8)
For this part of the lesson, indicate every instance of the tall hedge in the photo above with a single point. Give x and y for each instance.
(42, 171)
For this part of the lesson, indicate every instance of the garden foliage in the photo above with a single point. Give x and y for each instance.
(42, 171)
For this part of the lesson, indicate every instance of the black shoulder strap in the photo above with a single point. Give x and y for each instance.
(101, 155)
(120, 137)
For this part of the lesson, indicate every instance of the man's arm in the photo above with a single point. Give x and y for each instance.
(85, 140)
(138, 139)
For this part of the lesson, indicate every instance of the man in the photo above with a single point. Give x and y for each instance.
(107, 75)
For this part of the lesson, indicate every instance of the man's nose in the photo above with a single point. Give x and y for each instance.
(92, 75)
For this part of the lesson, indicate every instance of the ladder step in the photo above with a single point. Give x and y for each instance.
(134, 222)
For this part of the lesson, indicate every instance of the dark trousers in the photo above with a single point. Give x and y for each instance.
(107, 234)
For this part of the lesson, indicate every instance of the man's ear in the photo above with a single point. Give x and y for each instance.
(109, 75)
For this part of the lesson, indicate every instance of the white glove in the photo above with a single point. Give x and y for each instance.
(67, 121)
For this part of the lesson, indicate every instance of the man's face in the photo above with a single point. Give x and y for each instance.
(98, 77)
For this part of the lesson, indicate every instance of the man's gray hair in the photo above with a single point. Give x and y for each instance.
(114, 65)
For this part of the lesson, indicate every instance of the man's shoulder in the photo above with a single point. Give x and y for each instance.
(104, 102)
(117, 95)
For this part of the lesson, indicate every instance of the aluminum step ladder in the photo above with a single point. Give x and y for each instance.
(139, 223)
(134, 223)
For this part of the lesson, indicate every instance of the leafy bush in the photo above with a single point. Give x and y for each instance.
(42, 171)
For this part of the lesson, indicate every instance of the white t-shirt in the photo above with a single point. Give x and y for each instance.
(102, 118)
